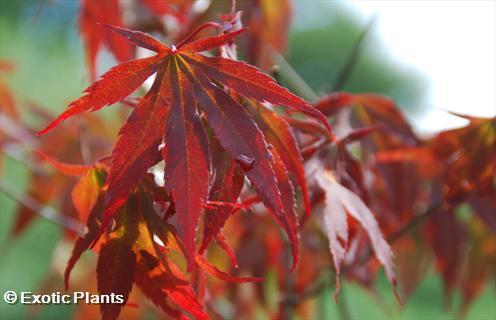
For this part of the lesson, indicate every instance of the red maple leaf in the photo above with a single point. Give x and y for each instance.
(187, 87)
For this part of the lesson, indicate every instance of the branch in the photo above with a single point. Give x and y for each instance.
(44, 211)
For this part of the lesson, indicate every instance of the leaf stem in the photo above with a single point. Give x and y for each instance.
(200, 28)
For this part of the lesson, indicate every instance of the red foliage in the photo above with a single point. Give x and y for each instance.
(208, 121)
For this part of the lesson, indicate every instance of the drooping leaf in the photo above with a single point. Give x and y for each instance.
(446, 236)
(83, 243)
(116, 264)
(115, 271)
(338, 203)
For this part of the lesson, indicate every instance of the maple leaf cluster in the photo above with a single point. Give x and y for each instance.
(216, 151)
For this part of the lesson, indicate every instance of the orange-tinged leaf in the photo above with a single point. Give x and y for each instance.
(8, 104)
(116, 264)
(269, 23)
(74, 170)
(165, 285)
(85, 193)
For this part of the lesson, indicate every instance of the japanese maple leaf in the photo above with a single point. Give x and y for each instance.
(188, 83)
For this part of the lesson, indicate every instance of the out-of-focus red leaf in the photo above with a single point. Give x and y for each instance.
(420, 154)
(177, 8)
(446, 236)
(268, 22)
(468, 154)
(86, 191)
(74, 170)
(485, 207)
(481, 262)
(8, 104)
(92, 14)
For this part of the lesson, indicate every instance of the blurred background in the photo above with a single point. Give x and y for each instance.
(429, 56)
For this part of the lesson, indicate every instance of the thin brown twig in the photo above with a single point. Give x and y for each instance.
(44, 211)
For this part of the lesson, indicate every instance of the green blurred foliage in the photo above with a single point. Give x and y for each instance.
(323, 37)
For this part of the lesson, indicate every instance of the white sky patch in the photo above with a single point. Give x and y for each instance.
(453, 43)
